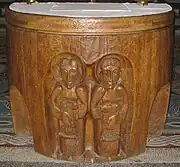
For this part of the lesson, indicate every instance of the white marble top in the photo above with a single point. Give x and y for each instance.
(91, 9)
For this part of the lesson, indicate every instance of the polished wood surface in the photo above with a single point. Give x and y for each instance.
(92, 87)
(94, 26)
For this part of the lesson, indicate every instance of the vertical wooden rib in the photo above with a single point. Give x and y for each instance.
(33, 89)
(159, 107)
(19, 108)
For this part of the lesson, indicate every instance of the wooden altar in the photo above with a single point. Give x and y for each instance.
(89, 84)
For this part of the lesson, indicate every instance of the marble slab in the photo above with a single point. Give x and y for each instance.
(91, 9)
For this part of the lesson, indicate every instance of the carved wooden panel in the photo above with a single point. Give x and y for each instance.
(82, 104)
(91, 95)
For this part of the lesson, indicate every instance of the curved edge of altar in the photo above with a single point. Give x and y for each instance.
(90, 25)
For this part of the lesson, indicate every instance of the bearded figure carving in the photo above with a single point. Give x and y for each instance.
(69, 106)
(109, 106)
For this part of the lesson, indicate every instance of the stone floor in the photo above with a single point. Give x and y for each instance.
(26, 157)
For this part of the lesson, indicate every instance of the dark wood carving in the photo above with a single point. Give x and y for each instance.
(91, 90)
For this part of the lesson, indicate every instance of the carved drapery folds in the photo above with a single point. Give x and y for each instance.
(67, 105)
(88, 107)
(109, 105)
(90, 86)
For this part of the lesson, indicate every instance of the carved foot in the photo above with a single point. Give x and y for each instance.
(122, 154)
(57, 154)
(90, 156)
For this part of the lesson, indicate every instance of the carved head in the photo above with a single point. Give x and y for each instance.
(71, 71)
(109, 71)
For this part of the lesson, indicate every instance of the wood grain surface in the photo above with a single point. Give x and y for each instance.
(92, 87)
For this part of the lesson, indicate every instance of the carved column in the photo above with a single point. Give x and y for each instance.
(88, 91)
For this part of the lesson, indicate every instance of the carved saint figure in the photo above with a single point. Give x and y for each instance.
(109, 106)
(69, 106)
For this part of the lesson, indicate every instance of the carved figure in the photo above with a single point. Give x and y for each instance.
(69, 106)
(109, 106)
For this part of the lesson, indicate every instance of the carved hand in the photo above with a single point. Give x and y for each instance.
(112, 121)
(57, 114)
(82, 110)
(109, 105)
(66, 119)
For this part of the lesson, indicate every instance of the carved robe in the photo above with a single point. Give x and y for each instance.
(109, 109)
(70, 107)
